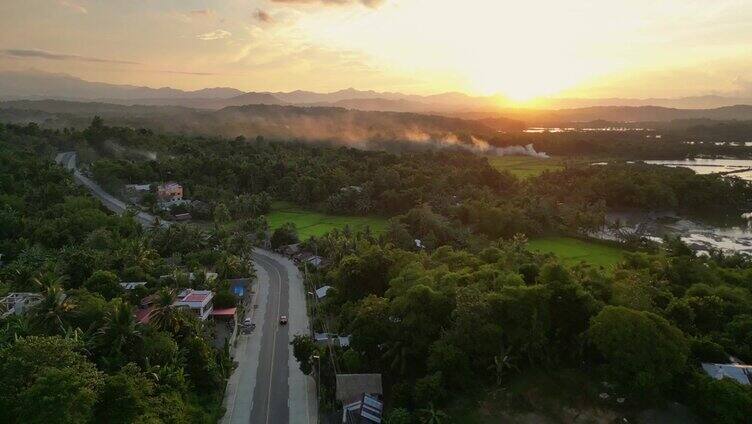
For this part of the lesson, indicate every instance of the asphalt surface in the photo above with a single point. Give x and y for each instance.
(68, 161)
(271, 394)
(267, 386)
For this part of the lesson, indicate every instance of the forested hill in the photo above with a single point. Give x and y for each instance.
(270, 121)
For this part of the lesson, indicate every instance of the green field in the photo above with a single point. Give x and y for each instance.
(525, 166)
(310, 223)
(571, 250)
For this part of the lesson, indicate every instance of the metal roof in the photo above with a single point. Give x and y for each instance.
(740, 373)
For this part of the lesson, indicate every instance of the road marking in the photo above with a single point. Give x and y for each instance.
(274, 341)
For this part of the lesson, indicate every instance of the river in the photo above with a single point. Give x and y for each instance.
(741, 168)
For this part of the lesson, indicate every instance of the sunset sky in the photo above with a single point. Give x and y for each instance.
(519, 49)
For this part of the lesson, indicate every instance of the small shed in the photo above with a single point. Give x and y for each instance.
(322, 291)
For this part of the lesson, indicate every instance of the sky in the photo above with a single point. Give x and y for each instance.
(520, 50)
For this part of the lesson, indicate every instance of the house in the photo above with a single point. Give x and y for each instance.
(740, 373)
(328, 339)
(290, 250)
(367, 410)
(361, 395)
(18, 303)
(138, 188)
(322, 338)
(322, 291)
(343, 341)
(127, 286)
(315, 261)
(169, 192)
(198, 301)
(145, 308)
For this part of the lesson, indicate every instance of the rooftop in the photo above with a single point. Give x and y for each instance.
(351, 387)
(738, 372)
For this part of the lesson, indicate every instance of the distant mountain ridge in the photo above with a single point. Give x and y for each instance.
(45, 85)
(38, 85)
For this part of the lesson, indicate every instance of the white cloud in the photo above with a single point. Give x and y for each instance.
(217, 34)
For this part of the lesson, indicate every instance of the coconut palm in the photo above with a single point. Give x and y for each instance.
(119, 330)
(163, 315)
(49, 314)
(138, 253)
(46, 280)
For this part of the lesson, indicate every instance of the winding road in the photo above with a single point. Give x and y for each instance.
(68, 161)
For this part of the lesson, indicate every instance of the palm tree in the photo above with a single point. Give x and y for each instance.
(163, 315)
(48, 315)
(431, 415)
(119, 330)
(138, 253)
(46, 280)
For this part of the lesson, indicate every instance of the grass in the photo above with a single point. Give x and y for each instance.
(525, 166)
(310, 223)
(571, 250)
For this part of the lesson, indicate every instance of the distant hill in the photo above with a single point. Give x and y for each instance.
(354, 127)
(45, 85)
(38, 85)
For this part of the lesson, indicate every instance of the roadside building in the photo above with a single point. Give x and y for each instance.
(169, 192)
(18, 303)
(315, 261)
(290, 250)
(322, 291)
(138, 188)
(199, 302)
(128, 286)
(362, 398)
(739, 372)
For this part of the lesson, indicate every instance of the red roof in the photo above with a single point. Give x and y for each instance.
(143, 315)
(227, 312)
(195, 297)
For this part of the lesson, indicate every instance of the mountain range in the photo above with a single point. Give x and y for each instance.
(39, 85)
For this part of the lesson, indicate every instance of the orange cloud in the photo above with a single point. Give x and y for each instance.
(369, 3)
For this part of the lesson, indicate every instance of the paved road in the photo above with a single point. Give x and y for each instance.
(68, 160)
(268, 387)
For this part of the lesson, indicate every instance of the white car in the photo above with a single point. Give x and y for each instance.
(247, 322)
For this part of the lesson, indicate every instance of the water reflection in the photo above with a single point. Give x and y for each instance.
(741, 168)
(700, 237)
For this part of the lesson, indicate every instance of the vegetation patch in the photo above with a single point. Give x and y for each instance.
(525, 166)
(572, 250)
(311, 223)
